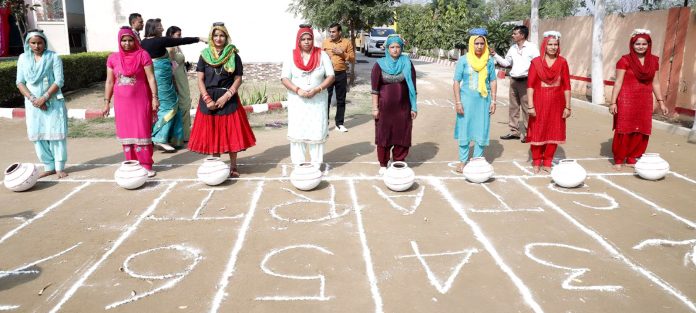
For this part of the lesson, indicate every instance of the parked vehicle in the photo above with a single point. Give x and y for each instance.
(373, 41)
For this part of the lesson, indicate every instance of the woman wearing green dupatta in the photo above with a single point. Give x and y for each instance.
(169, 126)
(220, 125)
(39, 79)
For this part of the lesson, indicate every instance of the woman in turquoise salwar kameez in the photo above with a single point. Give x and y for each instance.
(168, 130)
(39, 79)
(474, 96)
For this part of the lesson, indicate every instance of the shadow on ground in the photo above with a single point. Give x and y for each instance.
(421, 153)
(493, 151)
(264, 161)
(345, 154)
(180, 158)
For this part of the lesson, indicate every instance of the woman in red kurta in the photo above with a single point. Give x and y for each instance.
(548, 90)
(632, 105)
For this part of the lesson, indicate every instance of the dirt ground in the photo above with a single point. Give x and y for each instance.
(514, 244)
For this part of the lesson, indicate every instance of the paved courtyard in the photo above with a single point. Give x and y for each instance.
(517, 243)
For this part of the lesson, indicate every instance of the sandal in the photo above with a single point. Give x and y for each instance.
(460, 168)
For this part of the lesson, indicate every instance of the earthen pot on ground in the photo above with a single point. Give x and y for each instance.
(568, 173)
(651, 166)
(21, 176)
(478, 170)
(399, 177)
(305, 176)
(213, 171)
(130, 175)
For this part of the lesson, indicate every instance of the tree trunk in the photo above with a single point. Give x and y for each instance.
(534, 22)
(597, 62)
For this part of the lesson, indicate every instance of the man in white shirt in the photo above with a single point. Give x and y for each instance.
(520, 58)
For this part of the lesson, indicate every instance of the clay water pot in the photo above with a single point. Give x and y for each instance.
(130, 175)
(651, 166)
(213, 171)
(21, 176)
(568, 173)
(478, 170)
(399, 177)
(305, 176)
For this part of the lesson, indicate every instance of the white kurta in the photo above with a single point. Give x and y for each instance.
(308, 118)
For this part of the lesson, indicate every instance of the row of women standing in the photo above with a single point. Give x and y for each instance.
(221, 125)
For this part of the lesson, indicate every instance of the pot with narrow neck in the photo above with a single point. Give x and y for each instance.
(213, 171)
(21, 176)
(478, 170)
(130, 175)
(651, 166)
(568, 173)
(305, 176)
(399, 177)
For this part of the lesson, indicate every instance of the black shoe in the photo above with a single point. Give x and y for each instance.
(524, 140)
(509, 137)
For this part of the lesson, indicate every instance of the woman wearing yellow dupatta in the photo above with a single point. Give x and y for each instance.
(474, 96)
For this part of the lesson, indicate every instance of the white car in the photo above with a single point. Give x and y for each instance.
(373, 42)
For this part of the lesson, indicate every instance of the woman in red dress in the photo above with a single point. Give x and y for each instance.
(548, 90)
(221, 124)
(632, 105)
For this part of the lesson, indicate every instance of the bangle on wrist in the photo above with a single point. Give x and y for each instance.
(297, 89)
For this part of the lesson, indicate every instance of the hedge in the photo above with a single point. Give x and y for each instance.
(79, 71)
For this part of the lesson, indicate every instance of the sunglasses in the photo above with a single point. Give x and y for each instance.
(218, 24)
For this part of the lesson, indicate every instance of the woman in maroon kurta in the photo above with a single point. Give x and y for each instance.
(637, 80)
(548, 90)
(393, 103)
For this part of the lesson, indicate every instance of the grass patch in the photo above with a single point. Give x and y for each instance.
(92, 128)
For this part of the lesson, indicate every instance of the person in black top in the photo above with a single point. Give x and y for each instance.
(221, 124)
(168, 131)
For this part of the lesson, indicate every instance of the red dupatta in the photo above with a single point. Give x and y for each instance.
(644, 72)
(549, 74)
(315, 54)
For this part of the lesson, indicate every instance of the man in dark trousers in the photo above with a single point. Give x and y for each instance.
(341, 52)
(520, 58)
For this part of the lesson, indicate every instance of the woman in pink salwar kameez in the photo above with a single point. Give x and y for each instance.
(131, 81)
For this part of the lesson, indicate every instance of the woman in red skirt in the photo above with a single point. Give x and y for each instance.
(548, 90)
(221, 125)
(632, 104)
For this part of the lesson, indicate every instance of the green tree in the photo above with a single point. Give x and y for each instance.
(355, 15)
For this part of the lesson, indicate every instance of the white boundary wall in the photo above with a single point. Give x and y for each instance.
(263, 30)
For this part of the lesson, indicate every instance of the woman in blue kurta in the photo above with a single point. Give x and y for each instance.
(474, 95)
(39, 79)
